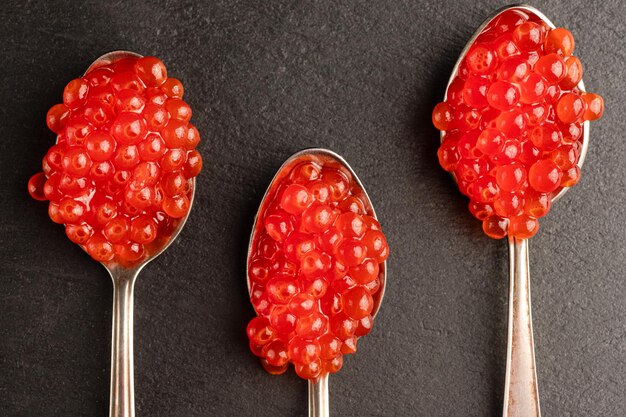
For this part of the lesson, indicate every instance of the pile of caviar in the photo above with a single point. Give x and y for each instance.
(314, 270)
(513, 121)
(119, 176)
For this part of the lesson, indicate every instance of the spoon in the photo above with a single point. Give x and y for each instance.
(122, 396)
(521, 394)
(318, 390)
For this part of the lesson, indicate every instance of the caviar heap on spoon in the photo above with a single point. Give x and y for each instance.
(514, 133)
(316, 270)
(121, 178)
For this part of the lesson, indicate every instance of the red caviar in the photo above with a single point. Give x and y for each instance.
(314, 272)
(519, 82)
(119, 176)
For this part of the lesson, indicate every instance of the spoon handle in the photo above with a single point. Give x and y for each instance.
(122, 402)
(318, 397)
(521, 395)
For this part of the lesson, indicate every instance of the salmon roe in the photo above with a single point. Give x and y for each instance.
(512, 122)
(119, 176)
(315, 269)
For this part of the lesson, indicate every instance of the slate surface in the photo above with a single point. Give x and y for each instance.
(266, 79)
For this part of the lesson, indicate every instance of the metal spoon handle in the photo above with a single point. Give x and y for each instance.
(122, 402)
(521, 395)
(318, 397)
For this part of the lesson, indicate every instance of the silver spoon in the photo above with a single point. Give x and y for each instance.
(122, 396)
(521, 394)
(318, 391)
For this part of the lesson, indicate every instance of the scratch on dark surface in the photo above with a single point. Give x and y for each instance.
(67, 36)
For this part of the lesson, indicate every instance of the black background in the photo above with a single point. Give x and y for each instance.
(265, 79)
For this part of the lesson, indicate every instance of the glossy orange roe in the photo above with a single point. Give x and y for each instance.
(314, 270)
(119, 176)
(513, 122)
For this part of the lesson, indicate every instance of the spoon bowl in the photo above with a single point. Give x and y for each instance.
(318, 391)
(106, 59)
(581, 85)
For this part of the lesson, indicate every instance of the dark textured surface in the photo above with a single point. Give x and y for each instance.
(266, 78)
